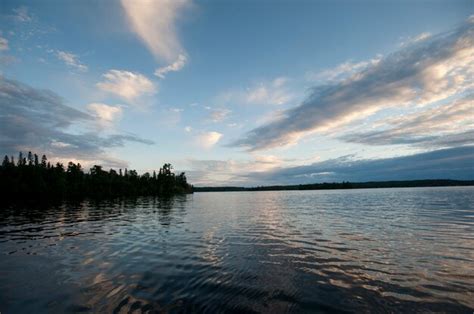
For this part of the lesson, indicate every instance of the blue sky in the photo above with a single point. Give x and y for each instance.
(242, 92)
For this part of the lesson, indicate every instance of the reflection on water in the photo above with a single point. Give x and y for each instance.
(395, 250)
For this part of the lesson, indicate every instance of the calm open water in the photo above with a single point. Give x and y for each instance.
(377, 250)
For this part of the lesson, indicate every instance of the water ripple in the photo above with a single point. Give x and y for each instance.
(384, 250)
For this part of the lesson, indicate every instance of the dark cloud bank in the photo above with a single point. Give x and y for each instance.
(451, 163)
(38, 120)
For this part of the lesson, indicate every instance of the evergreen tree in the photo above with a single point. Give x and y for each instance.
(20, 159)
(6, 161)
(42, 180)
(30, 159)
(44, 161)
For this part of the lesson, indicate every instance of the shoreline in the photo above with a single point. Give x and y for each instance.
(342, 186)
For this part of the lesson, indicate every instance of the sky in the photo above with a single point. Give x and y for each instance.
(243, 92)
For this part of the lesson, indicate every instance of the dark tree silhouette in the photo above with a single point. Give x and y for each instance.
(341, 185)
(31, 179)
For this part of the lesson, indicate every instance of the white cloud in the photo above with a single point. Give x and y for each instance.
(154, 22)
(107, 115)
(127, 85)
(173, 67)
(208, 139)
(71, 60)
(188, 129)
(3, 44)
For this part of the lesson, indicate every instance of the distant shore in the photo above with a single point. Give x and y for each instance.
(341, 185)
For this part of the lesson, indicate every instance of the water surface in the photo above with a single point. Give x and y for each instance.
(375, 250)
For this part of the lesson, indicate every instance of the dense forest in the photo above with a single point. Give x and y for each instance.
(340, 185)
(33, 178)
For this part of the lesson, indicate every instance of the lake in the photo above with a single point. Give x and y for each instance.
(373, 250)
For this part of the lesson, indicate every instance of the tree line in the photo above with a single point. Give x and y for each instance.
(30, 177)
(341, 185)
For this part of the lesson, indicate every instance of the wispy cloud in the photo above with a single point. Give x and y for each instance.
(25, 26)
(3, 44)
(415, 39)
(38, 120)
(272, 92)
(342, 71)
(218, 115)
(419, 74)
(128, 85)
(155, 24)
(173, 67)
(71, 60)
(444, 125)
(22, 14)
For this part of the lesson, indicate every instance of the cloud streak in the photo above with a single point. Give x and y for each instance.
(155, 23)
(71, 60)
(341, 71)
(419, 74)
(446, 125)
(173, 67)
(414, 39)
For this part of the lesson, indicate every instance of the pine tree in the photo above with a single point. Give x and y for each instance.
(20, 158)
(44, 161)
(6, 161)
(30, 159)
